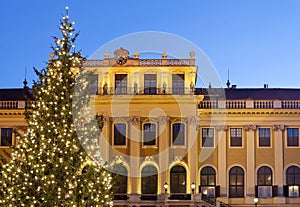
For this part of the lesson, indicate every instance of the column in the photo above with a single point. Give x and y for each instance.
(278, 156)
(134, 145)
(250, 174)
(163, 146)
(222, 161)
(104, 139)
(192, 144)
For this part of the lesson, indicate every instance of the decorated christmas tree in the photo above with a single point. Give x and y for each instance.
(56, 161)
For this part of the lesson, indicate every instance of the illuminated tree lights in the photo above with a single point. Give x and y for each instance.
(46, 166)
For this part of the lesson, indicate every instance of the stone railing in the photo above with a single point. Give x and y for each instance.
(235, 104)
(256, 104)
(9, 104)
(294, 104)
(140, 62)
(263, 104)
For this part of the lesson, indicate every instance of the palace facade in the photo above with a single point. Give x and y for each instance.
(177, 145)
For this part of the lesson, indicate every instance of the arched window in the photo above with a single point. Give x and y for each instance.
(208, 182)
(292, 181)
(264, 176)
(236, 182)
(149, 180)
(208, 176)
(264, 183)
(121, 177)
(178, 179)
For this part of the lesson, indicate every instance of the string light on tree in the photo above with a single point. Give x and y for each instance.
(46, 164)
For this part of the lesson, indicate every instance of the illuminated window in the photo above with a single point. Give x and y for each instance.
(236, 137)
(208, 182)
(292, 181)
(149, 134)
(292, 137)
(121, 84)
(177, 83)
(178, 134)
(236, 182)
(6, 136)
(264, 137)
(150, 84)
(178, 179)
(264, 182)
(119, 134)
(149, 180)
(207, 137)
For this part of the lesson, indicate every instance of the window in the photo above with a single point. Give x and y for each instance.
(208, 176)
(264, 182)
(177, 83)
(149, 180)
(178, 179)
(6, 136)
(208, 182)
(121, 84)
(94, 84)
(293, 181)
(150, 84)
(149, 134)
(119, 134)
(207, 137)
(121, 185)
(178, 134)
(236, 182)
(264, 137)
(236, 137)
(292, 137)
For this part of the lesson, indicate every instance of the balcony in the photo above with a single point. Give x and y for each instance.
(143, 91)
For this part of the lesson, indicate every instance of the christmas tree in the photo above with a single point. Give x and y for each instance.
(56, 162)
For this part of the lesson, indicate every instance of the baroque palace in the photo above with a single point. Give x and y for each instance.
(178, 145)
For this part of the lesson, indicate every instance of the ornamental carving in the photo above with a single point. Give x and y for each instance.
(178, 119)
(193, 120)
(177, 158)
(135, 120)
(119, 119)
(163, 119)
(279, 127)
(149, 159)
(221, 128)
(149, 119)
(250, 128)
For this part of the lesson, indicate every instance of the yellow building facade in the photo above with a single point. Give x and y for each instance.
(177, 145)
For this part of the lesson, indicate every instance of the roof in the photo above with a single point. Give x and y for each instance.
(15, 94)
(251, 93)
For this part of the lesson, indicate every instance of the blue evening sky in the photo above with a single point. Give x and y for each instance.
(258, 40)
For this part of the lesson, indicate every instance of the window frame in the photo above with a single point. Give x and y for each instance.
(1, 137)
(150, 90)
(184, 135)
(287, 137)
(113, 134)
(208, 137)
(230, 137)
(121, 92)
(155, 135)
(179, 83)
(236, 183)
(264, 137)
(178, 188)
(295, 177)
(150, 177)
